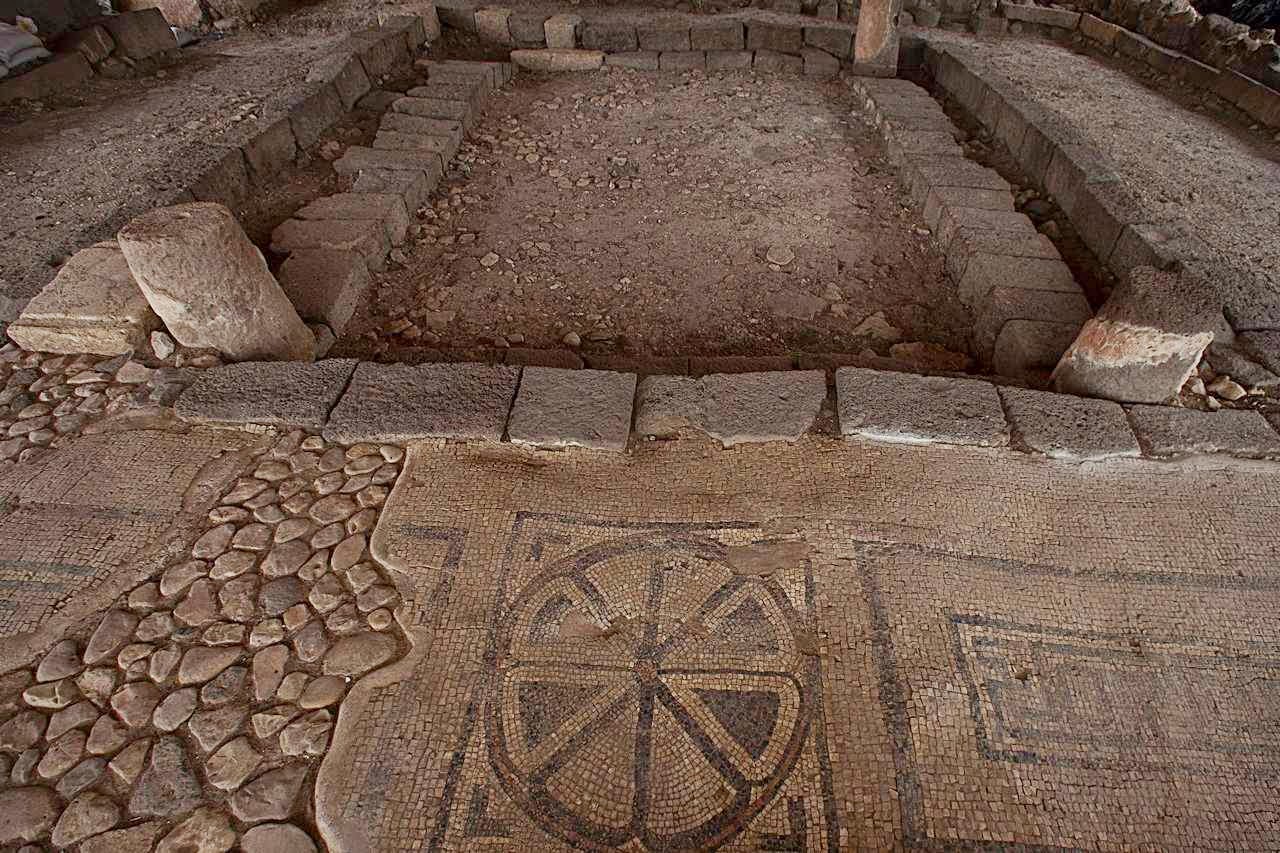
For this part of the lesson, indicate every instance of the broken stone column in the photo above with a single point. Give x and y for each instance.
(1146, 341)
(211, 285)
(875, 47)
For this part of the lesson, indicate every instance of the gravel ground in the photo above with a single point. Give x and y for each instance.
(1180, 160)
(719, 214)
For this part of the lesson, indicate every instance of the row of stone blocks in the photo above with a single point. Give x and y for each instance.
(333, 242)
(1027, 306)
(554, 408)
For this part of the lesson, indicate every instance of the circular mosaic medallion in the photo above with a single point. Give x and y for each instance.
(646, 693)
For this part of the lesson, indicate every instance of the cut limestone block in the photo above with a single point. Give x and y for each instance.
(398, 402)
(442, 127)
(777, 62)
(778, 37)
(608, 37)
(492, 25)
(925, 174)
(904, 408)
(1064, 427)
(954, 219)
(528, 29)
(1146, 341)
(1169, 431)
(211, 285)
(558, 60)
(729, 60)
(325, 285)
(381, 207)
(139, 35)
(494, 73)
(985, 272)
(562, 31)
(62, 72)
(270, 150)
(820, 64)
(940, 199)
(636, 60)
(412, 185)
(682, 60)
(732, 408)
(573, 408)
(314, 113)
(1003, 304)
(662, 36)
(347, 75)
(358, 159)
(470, 89)
(441, 146)
(459, 111)
(366, 237)
(266, 393)
(831, 38)
(92, 305)
(1031, 348)
(717, 34)
(875, 48)
(226, 181)
(969, 244)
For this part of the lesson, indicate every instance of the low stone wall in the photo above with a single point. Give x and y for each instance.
(545, 407)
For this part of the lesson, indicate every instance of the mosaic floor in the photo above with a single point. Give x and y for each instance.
(825, 647)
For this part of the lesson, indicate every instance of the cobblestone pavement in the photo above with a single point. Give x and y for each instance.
(819, 647)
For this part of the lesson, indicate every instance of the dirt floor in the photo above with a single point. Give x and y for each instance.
(719, 214)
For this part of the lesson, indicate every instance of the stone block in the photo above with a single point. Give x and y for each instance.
(312, 114)
(562, 31)
(926, 173)
(637, 60)
(558, 408)
(528, 29)
(1170, 431)
(62, 72)
(717, 34)
(955, 219)
(609, 37)
(419, 25)
(729, 60)
(1071, 170)
(1003, 304)
(969, 244)
(553, 61)
(226, 181)
(835, 40)
(1261, 103)
(1031, 348)
(378, 101)
(92, 305)
(663, 36)
(444, 128)
(358, 159)
(177, 13)
(778, 37)
(985, 272)
(1060, 426)
(875, 48)
(385, 208)
(389, 140)
(1100, 31)
(347, 75)
(142, 34)
(277, 394)
(325, 285)
(412, 185)
(1146, 341)
(904, 408)
(942, 199)
(365, 237)
(772, 60)
(459, 14)
(459, 111)
(270, 151)
(682, 60)
(397, 403)
(492, 74)
(1041, 15)
(819, 64)
(492, 25)
(211, 285)
(93, 43)
(382, 52)
(471, 89)
(732, 408)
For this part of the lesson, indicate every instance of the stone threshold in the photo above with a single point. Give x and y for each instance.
(554, 408)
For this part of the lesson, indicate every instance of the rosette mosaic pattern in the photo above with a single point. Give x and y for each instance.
(193, 714)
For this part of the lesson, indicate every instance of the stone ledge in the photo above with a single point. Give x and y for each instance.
(558, 408)
(902, 408)
(397, 403)
(280, 394)
(734, 409)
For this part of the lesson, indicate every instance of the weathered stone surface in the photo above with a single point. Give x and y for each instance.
(1031, 348)
(769, 35)
(128, 764)
(365, 237)
(307, 735)
(140, 34)
(92, 305)
(134, 703)
(561, 31)
(734, 409)
(717, 34)
(875, 49)
(819, 63)
(608, 36)
(276, 838)
(63, 754)
(133, 839)
(211, 285)
(201, 663)
(385, 208)
(907, 409)
(166, 787)
(270, 796)
(355, 655)
(86, 815)
(206, 831)
(729, 60)
(554, 61)
(106, 736)
(51, 695)
(1145, 342)
(681, 60)
(1065, 427)
(347, 75)
(1003, 304)
(663, 35)
(79, 715)
(637, 60)
(831, 38)
(776, 61)
(22, 730)
(314, 113)
(398, 403)
(562, 408)
(26, 814)
(322, 692)
(232, 764)
(80, 777)
(267, 393)
(1170, 431)
(62, 660)
(174, 709)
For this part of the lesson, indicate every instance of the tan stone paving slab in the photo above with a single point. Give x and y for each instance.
(1166, 430)
(1065, 427)
(902, 407)
(283, 394)
(566, 408)
(396, 402)
(732, 408)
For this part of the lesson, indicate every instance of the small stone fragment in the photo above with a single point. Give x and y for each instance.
(354, 656)
(270, 796)
(86, 815)
(175, 709)
(206, 831)
(62, 660)
(166, 788)
(232, 764)
(134, 703)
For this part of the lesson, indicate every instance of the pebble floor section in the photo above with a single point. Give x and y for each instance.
(832, 646)
(193, 713)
